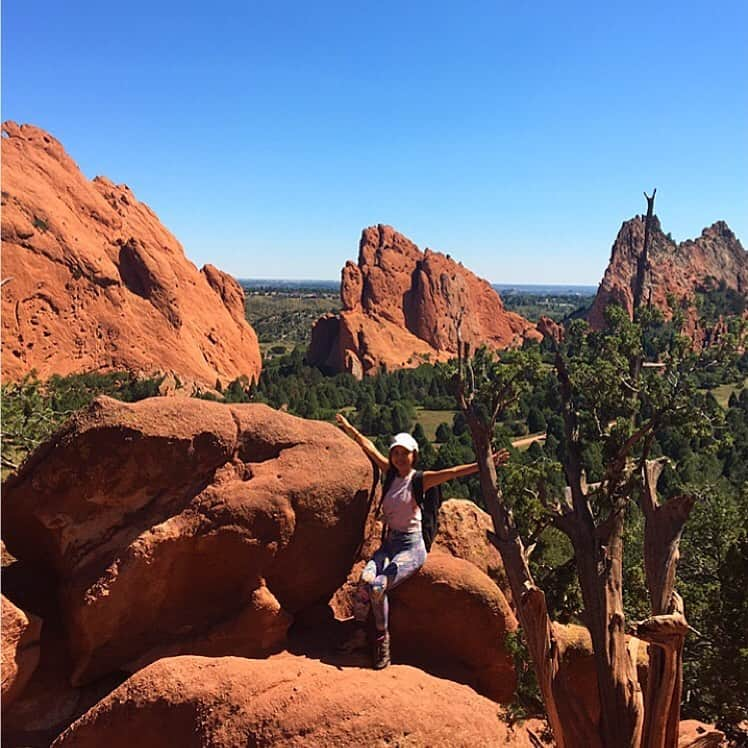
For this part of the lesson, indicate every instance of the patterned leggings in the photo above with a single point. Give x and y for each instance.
(400, 556)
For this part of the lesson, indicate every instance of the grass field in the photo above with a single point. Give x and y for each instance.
(555, 306)
(276, 348)
(430, 419)
(723, 392)
(287, 318)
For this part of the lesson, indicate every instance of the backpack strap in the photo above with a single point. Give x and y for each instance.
(429, 501)
(418, 487)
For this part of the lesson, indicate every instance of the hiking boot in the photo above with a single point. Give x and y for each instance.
(356, 641)
(382, 650)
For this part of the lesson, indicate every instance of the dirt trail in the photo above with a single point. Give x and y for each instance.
(526, 441)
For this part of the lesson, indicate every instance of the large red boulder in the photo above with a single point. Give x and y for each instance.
(96, 282)
(288, 701)
(695, 734)
(452, 620)
(577, 668)
(49, 703)
(400, 306)
(20, 649)
(186, 526)
(463, 532)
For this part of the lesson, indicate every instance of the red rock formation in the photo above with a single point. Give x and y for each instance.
(20, 649)
(99, 284)
(578, 668)
(551, 329)
(678, 269)
(462, 533)
(398, 309)
(428, 617)
(186, 526)
(229, 290)
(695, 734)
(286, 701)
(49, 703)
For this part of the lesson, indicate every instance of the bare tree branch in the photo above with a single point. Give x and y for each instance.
(642, 262)
(9, 464)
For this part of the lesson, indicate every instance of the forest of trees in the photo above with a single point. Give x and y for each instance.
(710, 463)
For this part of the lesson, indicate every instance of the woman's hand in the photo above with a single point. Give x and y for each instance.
(346, 425)
(501, 457)
(366, 444)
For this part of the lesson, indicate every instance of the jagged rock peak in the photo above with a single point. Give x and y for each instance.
(400, 306)
(675, 269)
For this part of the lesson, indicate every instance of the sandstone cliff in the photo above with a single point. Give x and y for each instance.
(714, 258)
(399, 305)
(95, 282)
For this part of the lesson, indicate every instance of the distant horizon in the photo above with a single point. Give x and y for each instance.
(528, 287)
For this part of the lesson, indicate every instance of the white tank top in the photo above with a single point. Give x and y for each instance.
(399, 506)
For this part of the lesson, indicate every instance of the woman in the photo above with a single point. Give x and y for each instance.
(403, 551)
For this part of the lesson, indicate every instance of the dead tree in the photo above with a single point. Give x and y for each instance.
(598, 549)
(571, 726)
(597, 539)
(642, 261)
(666, 629)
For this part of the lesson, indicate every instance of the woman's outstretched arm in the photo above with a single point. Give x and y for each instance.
(433, 478)
(366, 444)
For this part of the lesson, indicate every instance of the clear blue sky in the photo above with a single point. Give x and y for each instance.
(515, 136)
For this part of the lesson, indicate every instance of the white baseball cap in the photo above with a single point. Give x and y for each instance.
(404, 439)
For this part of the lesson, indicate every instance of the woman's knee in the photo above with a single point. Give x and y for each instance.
(369, 572)
(378, 587)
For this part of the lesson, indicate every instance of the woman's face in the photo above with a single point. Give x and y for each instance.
(401, 459)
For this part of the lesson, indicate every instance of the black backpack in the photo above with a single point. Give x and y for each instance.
(430, 501)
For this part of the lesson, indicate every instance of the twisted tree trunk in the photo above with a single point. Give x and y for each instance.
(667, 628)
(599, 553)
(571, 726)
(599, 556)
(642, 262)
(598, 546)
